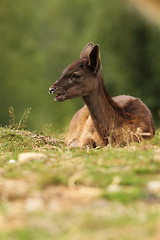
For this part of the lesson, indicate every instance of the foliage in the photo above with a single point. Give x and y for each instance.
(39, 38)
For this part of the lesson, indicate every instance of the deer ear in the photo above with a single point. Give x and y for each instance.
(95, 60)
(86, 50)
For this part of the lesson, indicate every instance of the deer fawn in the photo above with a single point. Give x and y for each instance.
(103, 120)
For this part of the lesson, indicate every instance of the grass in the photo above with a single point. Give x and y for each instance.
(78, 194)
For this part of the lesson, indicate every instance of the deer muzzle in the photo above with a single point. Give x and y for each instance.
(60, 94)
(52, 90)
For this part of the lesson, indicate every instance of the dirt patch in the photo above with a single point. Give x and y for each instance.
(19, 200)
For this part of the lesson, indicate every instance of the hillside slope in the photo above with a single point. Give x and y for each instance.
(48, 191)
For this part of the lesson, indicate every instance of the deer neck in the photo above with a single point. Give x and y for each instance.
(103, 110)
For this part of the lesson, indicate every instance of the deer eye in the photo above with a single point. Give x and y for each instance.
(76, 76)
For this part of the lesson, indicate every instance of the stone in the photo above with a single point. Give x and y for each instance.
(31, 156)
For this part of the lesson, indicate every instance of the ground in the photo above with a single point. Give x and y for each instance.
(53, 192)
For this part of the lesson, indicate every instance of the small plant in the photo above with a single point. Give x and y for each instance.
(12, 117)
(47, 129)
(22, 123)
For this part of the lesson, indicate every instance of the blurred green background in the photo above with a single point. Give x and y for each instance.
(38, 39)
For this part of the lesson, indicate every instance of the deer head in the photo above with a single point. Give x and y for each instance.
(80, 77)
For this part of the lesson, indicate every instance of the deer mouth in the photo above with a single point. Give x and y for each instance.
(60, 97)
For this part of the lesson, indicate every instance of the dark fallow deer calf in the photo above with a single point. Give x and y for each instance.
(103, 120)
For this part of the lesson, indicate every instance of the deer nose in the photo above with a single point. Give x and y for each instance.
(51, 90)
